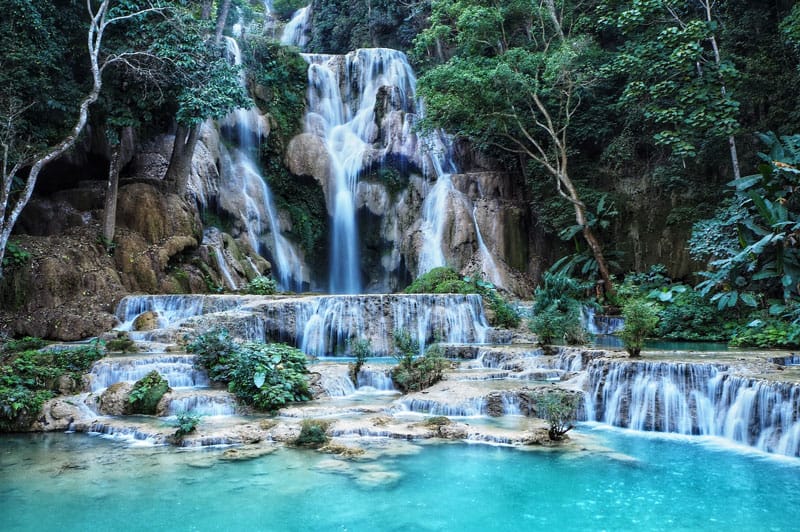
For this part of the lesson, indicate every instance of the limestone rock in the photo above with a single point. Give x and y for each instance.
(306, 154)
(146, 321)
(114, 400)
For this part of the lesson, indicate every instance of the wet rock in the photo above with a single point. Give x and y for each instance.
(114, 400)
(306, 154)
(146, 321)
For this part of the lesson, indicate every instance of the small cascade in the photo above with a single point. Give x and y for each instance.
(295, 33)
(178, 369)
(222, 264)
(323, 325)
(475, 406)
(601, 324)
(257, 208)
(171, 310)
(132, 435)
(379, 379)
(205, 403)
(688, 398)
(434, 217)
(335, 379)
(511, 404)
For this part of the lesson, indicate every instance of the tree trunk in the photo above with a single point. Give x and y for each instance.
(222, 17)
(180, 163)
(110, 208)
(9, 218)
(205, 12)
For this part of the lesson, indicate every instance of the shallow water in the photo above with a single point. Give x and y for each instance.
(79, 482)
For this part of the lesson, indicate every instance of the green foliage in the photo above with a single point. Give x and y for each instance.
(186, 424)
(147, 392)
(15, 256)
(689, 316)
(25, 343)
(767, 333)
(752, 244)
(262, 286)
(362, 350)
(313, 433)
(671, 73)
(445, 280)
(267, 376)
(29, 378)
(122, 343)
(414, 374)
(641, 319)
(557, 307)
(560, 409)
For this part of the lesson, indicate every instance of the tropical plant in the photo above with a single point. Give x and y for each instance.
(413, 373)
(557, 308)
(187, 423)
(267, 376)
(641, 319)
(560, 409)
(752, 244)
(361, 349)
(262, 286)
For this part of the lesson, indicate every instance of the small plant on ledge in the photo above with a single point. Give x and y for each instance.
(559, 408)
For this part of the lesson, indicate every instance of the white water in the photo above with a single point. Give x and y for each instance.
(703, 399)
(179, 370)
(595, 324)
(346, 122)
(296, 31)
(258, 207)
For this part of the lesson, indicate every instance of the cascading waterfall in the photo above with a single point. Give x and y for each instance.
(258, 209)
(689, 398)
(295, 33)
(346, 122)
(179, 370)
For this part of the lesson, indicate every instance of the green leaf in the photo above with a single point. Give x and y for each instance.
(748, 300)
(259, 378)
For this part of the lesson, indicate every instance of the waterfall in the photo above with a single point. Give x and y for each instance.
(178, 370)
(379, 379)
(595, 324)
(346, 122)
(688, 398)
(258, 207)
(296, 31)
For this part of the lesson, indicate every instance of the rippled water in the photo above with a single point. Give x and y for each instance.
(78, 482)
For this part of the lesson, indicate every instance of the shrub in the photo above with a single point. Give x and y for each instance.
(690, 317)
(766, 334)
(313, 433)
(262, 286)
(362, 350)
(557, 310)
(265, 375)
(429, 282)
(122, 343)
(29, 378)
(187, 423)
(414, 374)
(23, 344)
(640, 322)
(560, 409)
(147, 392)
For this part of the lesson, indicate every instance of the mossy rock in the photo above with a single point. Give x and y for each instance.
(147, 392)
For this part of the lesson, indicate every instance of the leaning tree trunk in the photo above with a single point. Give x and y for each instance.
(180, 163)
(110, 208)
(222, 17)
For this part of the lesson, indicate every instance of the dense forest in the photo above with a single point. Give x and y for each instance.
(616, 119)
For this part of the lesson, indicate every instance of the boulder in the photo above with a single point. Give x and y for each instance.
(306, 154)
(146, 321)
(114, 400)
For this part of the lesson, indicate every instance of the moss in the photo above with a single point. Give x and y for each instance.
(313, 433)
(147, 392)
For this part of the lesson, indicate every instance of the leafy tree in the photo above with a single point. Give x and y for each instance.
(641, 320)
(674, 69)
(515, 83)
(25, 152)
(560, 409)
(557, 308)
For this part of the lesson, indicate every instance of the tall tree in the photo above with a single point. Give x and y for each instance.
(516, 80)
(22, 162)
(674, 69)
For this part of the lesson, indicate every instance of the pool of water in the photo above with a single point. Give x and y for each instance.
(78, 482)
